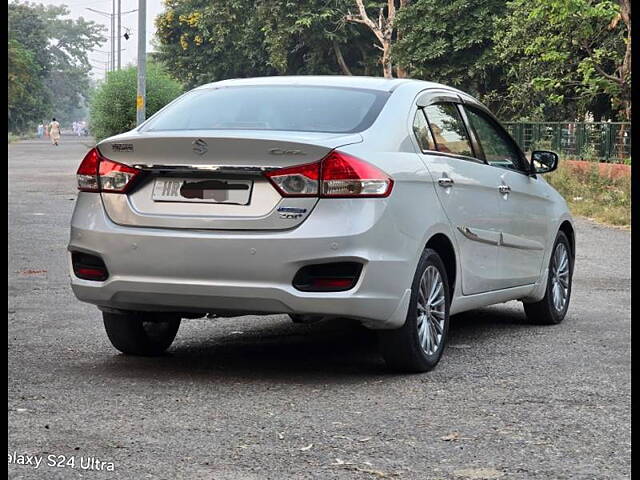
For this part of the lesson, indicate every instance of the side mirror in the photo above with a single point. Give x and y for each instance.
(543, 161)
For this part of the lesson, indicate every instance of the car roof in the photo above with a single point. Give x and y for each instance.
(346, 81)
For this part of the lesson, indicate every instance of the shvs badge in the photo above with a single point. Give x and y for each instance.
(291, 212)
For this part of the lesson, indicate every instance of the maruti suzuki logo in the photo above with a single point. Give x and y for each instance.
(200, 146)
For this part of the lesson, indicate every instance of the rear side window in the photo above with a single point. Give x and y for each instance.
(499, 150)
(273, 107)
(448, 129)
(422, 132)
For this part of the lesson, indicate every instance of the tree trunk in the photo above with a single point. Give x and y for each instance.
(400, 71)
(625, 68)
(387, 67)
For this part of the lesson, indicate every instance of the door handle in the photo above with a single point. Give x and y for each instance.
(445, 182)
(504, 189)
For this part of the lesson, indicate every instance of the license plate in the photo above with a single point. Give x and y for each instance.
(199, 190)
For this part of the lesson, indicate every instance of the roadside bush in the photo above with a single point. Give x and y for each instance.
(590, 194)
(113, 105)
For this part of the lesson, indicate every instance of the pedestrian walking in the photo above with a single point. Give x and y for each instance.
(40, 130)
(54, 131)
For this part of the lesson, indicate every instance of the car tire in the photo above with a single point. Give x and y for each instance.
(304, 318)
(552, 309)
(141, 333)
(407, 349)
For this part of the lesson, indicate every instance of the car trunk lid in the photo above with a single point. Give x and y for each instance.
(213, 180)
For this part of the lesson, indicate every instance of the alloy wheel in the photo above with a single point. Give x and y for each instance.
(431, 310)
(560, 277)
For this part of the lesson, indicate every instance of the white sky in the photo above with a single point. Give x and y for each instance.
(98, 59)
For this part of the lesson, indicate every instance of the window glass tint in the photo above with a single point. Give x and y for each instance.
(421, 130)
(294, 108)
(498, 148)
(448, 129)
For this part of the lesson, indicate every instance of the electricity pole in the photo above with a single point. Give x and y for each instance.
(113, 35)
(112, 63)
(142, 61)
(119, 31)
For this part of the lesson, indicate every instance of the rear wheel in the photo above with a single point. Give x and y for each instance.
(418, 345)
(553, 307)
(304, 318)
(141, 333)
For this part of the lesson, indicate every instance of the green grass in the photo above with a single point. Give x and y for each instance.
(15, 137)
(593, 196)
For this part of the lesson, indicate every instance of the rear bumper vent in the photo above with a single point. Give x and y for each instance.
(328, 277)
(89, 267)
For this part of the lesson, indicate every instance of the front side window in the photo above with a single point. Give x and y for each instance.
(272, 107)
(422, 133)
(499, 150)
(448, 129)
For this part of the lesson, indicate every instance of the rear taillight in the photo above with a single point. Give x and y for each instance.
(298, 181)
(336, 175)
(347, 176)
(99, 174)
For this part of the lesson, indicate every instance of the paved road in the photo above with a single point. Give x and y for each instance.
(261, 398)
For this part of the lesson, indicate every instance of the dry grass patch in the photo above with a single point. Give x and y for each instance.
(606, 200)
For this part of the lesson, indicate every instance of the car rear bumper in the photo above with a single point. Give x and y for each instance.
(243, 272)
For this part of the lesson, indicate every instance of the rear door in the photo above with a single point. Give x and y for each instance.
(525, 205)
(466, 188)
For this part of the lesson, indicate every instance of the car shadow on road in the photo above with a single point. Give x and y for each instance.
(278, 350)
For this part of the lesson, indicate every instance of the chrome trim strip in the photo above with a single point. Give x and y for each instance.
(471, 235)
(205, 170)
(503, 240)
(513, 241)
(209, 168)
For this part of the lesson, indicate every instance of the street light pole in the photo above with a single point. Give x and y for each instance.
(142, 61)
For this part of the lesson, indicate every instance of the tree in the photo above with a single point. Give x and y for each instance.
(113, 104)
(562, 58)
(451, 43)
(28, 101)
(57, 48)
(384, 30)
(202, 41)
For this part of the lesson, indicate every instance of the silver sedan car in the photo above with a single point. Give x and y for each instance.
(394, 202)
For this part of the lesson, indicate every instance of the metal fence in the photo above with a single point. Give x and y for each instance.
(603, 141)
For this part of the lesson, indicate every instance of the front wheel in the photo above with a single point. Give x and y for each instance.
(552, 309)
(141, 333)
(418, 345)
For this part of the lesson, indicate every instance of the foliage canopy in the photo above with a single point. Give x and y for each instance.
(48, 63)
(551, 59)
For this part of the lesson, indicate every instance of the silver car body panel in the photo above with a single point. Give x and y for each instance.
(175, 266)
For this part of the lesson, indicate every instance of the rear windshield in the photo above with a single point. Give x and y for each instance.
(292, 108)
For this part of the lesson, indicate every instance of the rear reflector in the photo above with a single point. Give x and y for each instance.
(328, 277)
(88, 267)
(99, 174)
(336, 175)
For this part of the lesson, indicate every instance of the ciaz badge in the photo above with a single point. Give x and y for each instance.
(291, 212)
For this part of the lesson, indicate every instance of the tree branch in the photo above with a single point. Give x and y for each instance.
(340, 58)
(606, 75)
